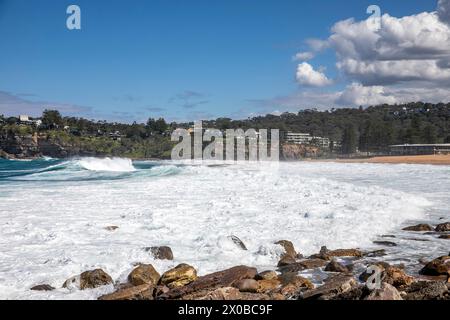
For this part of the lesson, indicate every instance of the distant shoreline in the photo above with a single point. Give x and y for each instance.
(423, 159)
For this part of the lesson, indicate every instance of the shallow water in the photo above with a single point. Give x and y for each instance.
(53, 215)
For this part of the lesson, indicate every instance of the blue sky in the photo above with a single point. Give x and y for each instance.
(182, 60)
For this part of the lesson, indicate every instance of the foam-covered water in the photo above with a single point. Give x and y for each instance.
(53, 215)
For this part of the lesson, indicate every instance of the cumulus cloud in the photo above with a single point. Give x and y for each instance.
(444, 11)
(307, 76)
(303, 56)
(359, 95)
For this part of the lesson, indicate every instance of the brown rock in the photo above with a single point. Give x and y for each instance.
(179, 276)
(426, 290)
(225, 278)
(382, 267)
(222, 294)
(303, 265)
(288, 247)
(144, 274)
(376, 253)
(292, 285)
(266, 275)
(444, 236)
(345, 253)
(265, 286)
(247, 285)
(333, 286)
(335, 266)
(161, 253)
(285, 261)
(437, 267)
(141, 292)
(419, 227)
(42, 287)
(111, 228)
(89, 280)
(386, 292)
(443, 227)
(238, 242)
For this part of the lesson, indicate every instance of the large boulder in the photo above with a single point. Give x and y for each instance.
(179, 276)
(141, 292)
(161, 253)
(220, 279)
(420, 227)
(144, 274)
(333, 286)
(89, 280)
(443, 227)
(426, 290)
(392, 275)
(335, 266)
(288, 247)
(386, 292)
(439, 266)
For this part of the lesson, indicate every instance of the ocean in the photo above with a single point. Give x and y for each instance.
(53, 215)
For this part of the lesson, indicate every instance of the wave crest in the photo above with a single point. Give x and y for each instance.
(107, 164)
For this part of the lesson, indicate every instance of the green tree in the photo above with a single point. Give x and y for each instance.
(52, 119)
(349, 141)
(429, 134)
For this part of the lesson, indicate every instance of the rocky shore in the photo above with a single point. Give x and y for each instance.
(352, 274)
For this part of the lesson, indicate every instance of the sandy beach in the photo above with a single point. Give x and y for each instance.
(426, 159)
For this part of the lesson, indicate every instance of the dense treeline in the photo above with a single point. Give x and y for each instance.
(371, 129)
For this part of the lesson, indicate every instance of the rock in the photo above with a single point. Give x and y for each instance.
(437, 267)
(89, 280)
(303, 265)
(376, 253)
(42, 287)
(238, 242)
(111, 228)
(144, 274)
(345, 253)
(419, 227)
(266, 275)
(323, 254)
(333, 286)
(292, 285)
(443, 227)
(265, 286)
(223, 294)
(385, 243)
(179, 276)
(247, 285)
(288, 247)
(382, 267)
(285, 261)
(225, 278)
(161, 253)
(426, 290)
(386, 292)
(335, 266)
(141, 292)
(444, 236)
(397, 277)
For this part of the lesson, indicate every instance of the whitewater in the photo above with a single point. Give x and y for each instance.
(54, 214)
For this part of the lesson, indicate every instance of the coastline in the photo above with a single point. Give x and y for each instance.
(425, 159)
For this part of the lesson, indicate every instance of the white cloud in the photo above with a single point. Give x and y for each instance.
(359, 95)
(303, 56)
(307, 76)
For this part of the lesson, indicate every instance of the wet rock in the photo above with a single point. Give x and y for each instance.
(386, 292)
(179, 276)
(333, 286)
(266, 275)
(445, 236)
(397, 277)
(238, 242)
(111, 228)
(385, 243)
(141, 292)
(225, 278)
(247, 285)
(382, 267)
(89, 280)
(419, 227)
(160, 290)
(42, 287)
(388, 236)
(323, 254)
(285, 261)
(161, 253)
(376, 253)
(288, 247)
(426, 290)
(335, 266)
(292, 285)
(345, 253)
(303, 265)
(443, 227)
(437, 267)
(144, 274)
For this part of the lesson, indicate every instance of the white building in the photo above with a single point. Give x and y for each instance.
(306, 138)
